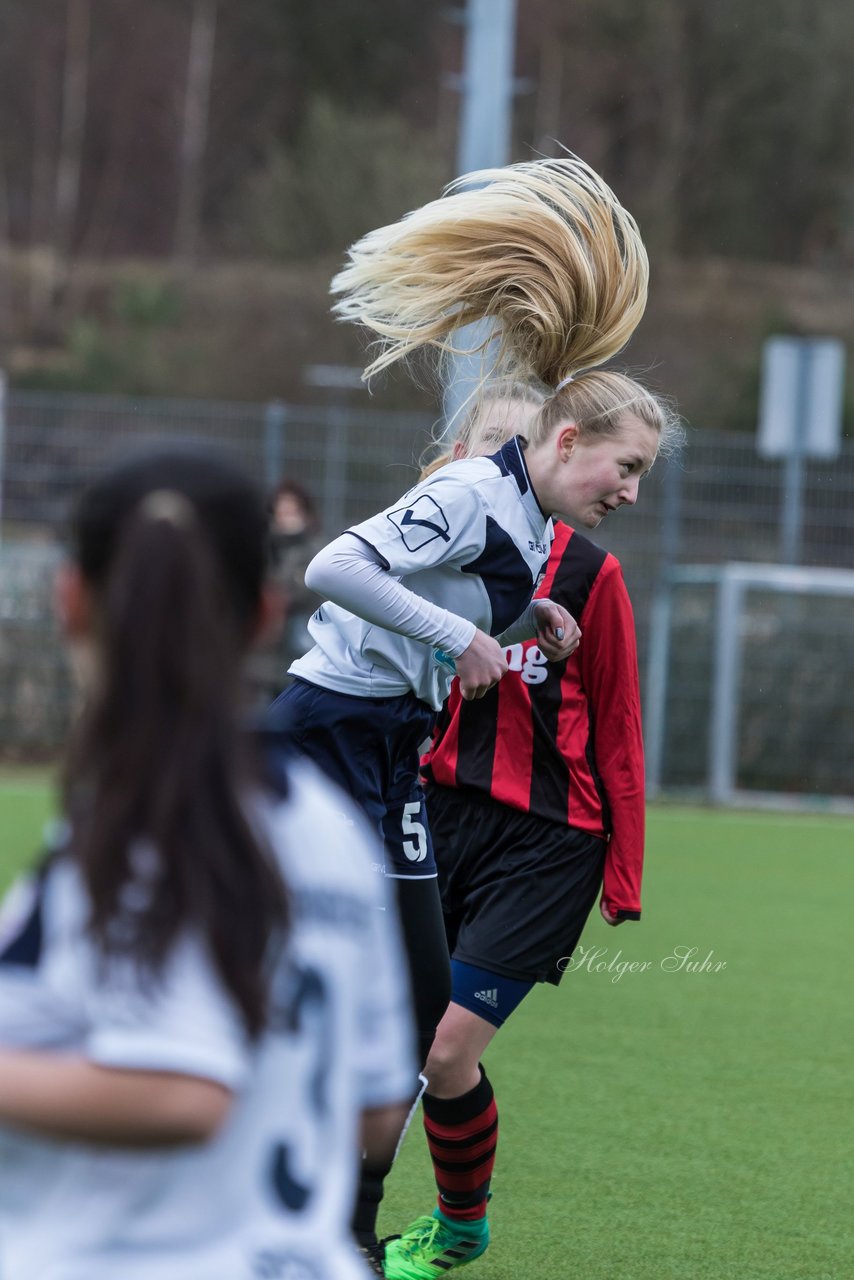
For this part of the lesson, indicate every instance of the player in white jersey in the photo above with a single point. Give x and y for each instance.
(545, 255)
(470, 544)
(202, 1017)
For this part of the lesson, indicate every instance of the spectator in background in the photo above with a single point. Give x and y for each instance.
(295, 539)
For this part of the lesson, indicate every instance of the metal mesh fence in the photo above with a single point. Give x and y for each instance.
(353, 460)
(719, 502)
(35, 686)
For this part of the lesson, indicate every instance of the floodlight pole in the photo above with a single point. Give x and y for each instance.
(487, 87)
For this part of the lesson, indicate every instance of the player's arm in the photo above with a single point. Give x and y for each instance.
(556, 631)
(151, 1064)
(353, 574)
(72, 1099)
(609, 668)
(359, 571)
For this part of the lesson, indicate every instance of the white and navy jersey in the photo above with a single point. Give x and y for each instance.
(472, 539)
(270, 1195)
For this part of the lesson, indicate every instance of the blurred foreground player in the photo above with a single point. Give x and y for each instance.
(202, 1021)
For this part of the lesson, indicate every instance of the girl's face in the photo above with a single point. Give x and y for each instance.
(288, 514)
(589, 479)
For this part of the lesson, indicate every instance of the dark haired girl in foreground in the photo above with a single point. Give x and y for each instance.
(200, 998)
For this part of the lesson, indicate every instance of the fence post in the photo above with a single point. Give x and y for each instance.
(661, 610)
(657, 669)
(275, 417)
(335, 470)
(723, 725)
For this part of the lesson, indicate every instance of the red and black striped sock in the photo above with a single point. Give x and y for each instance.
(462, 1134)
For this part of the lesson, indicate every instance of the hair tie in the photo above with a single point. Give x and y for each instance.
(564, 382)
(168, 505)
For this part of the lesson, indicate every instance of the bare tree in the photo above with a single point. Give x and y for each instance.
(72, 128)
(41, 179)
(195, 129)
(548, 95)
(5, 263)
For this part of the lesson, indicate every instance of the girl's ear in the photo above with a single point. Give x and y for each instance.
(73, 602)
(458, 451)
(566, 440)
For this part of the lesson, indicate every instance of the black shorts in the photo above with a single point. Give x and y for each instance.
(369, 747)
(516, 889)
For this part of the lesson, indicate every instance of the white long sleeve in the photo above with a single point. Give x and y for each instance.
(351, 574)
(525, 627)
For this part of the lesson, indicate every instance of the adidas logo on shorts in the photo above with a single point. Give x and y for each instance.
(488, 997)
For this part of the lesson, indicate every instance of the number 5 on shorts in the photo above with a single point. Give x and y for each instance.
(415, 850)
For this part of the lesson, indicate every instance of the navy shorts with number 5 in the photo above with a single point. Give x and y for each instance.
(370, 748)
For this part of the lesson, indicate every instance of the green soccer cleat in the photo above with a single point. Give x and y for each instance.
(432, 1246)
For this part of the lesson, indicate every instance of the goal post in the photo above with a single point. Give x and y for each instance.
(772, 690)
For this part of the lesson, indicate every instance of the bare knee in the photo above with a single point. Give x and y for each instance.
(452, 1067)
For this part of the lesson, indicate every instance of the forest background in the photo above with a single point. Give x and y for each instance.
(180, 178)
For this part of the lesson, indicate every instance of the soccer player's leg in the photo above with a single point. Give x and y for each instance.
(461, 1125)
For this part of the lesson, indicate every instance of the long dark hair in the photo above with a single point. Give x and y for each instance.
(173, 547)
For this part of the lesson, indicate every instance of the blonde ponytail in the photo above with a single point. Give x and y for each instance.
(542, 250)
(599, 401)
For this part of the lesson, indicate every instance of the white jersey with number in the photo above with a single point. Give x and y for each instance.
(471, 538)
(269, 1197)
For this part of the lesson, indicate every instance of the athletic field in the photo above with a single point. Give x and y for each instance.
(663, 1123)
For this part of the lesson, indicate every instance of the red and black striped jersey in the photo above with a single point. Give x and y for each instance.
(562, 740)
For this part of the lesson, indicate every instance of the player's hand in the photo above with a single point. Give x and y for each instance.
(607, 917)
(558, 633)
(480, 666)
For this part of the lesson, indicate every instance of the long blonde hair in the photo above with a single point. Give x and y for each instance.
(543, 251)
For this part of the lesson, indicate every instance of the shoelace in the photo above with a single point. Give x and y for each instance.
(423, 1237)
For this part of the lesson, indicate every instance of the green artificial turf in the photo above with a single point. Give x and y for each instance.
(693, 1126)
(667, 1125)
(26, 804)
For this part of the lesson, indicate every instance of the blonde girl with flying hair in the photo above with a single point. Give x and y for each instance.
(546, 256)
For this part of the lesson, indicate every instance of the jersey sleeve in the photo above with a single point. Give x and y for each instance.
(57, 991)
(34, 1013)
(182, 1021)
(439, 521)
(609, 665)
(352, 574)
